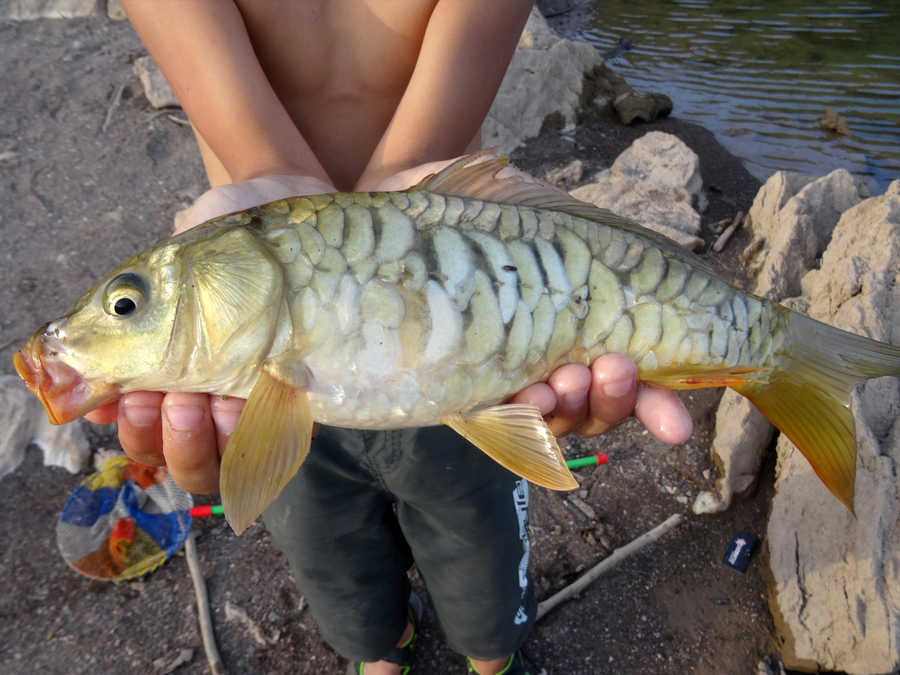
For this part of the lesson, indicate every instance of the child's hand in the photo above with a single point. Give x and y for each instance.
(591, 401)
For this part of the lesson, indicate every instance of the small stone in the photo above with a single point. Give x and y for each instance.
(586, 509)
(115, 11)
(156, 88)
(567, 175)
(833, 123)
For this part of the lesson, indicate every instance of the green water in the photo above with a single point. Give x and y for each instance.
(760, 74)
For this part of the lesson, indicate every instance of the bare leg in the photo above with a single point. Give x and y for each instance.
(215, 170)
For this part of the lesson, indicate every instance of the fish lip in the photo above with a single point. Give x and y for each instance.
(65, 394)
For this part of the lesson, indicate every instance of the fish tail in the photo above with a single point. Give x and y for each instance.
(807, 395)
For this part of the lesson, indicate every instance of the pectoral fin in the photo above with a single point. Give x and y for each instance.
(266, 449)
(516, 437)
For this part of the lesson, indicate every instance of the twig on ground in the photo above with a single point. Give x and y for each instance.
(617, 556)
(726, 235)
(113, 104)
(206, 630)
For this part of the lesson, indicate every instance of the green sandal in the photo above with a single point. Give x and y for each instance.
(400, 655)
(517, 665)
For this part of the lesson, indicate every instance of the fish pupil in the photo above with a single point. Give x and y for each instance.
(124, 306)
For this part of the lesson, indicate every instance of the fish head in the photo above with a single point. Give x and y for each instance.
(193, 313)
(115, 334)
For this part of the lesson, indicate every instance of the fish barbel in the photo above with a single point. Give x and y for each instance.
(433, 305)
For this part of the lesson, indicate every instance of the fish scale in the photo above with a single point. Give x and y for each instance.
(479, 307)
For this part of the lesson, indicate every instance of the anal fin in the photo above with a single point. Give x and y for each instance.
(266, 449)
(516, 437)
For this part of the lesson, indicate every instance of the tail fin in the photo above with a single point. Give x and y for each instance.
(808, 394)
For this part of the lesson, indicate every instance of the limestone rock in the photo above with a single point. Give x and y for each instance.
(156, 88)
(663, 159)
(652, 182)
(26, 10)
(23, 421)
(115, 11)
(545, 76)
(567, 175)
(835, 592)
(742, 435)
(790, 222)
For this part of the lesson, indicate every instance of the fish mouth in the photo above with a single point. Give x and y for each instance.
(65, 394)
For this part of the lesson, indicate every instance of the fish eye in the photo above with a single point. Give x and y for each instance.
(125, 294)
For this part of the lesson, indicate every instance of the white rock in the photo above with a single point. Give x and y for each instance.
(545, 76)
(23, 421)
(566, 175)
(742, 435)
(662, 159)
(26, 10)
(790, 222)
(653, 188)
(836, 577)
(115, 11)
(156, 88)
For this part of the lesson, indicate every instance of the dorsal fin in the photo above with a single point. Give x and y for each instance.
(475, 176)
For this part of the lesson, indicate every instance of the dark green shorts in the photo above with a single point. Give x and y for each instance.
(366, 504)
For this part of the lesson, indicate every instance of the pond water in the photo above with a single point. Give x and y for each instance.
(760, 74)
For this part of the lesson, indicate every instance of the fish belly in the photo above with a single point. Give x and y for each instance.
(411, 306)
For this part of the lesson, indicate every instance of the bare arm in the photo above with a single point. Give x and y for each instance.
(205, 53)
(465, 52)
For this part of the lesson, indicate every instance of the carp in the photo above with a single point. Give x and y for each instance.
(433, 305)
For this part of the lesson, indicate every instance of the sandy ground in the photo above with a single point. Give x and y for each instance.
(84, 186)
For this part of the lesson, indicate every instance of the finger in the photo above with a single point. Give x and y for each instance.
(225, 413)
(540, 395)
(140, 428)
(104, 414)
(189, 442)
(664, 415)
(570, 383)
(612, 395)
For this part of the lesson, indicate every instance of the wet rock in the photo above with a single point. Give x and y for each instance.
(545, 77)
(835, 591)
(156, 88)
(23, 421)
(833, 123)
(653, 182)
(633, 106)
(555, 7)
(26, 10)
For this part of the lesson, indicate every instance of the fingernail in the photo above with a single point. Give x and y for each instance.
(140, 415)
(617, 388)
(226, 420)
(184, 417)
